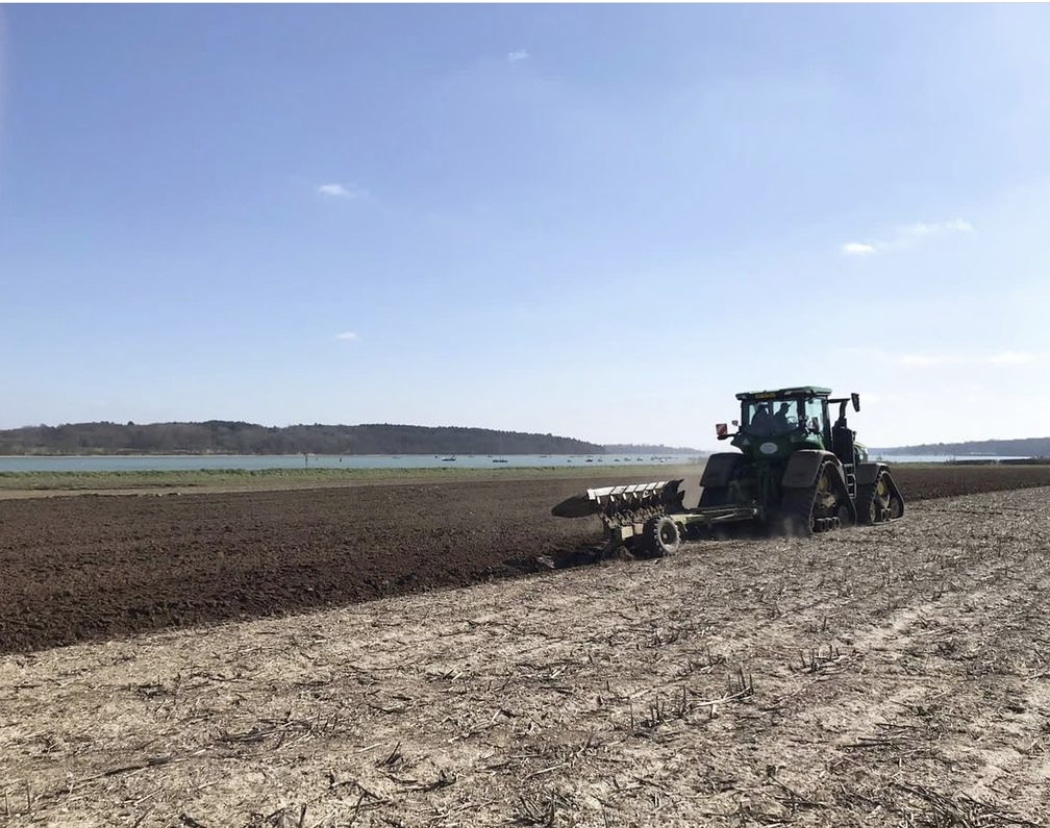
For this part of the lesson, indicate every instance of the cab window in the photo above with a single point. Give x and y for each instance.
(769, 418)
(815, 414)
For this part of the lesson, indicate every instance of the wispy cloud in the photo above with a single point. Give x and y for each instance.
(921, 229)
(905, 236)
(936, 360)
(517, 55)
(340, 191)
(347, 336)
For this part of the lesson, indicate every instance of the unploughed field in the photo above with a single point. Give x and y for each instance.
(896, 675)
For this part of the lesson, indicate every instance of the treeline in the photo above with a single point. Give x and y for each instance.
(1025, 447)
(224, 437)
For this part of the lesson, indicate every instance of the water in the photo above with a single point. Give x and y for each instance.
(941, 458)
(319, 461)
(258, 462)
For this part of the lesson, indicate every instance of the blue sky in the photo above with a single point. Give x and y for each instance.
(595, 221)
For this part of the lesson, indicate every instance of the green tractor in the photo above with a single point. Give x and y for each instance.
(797, 472)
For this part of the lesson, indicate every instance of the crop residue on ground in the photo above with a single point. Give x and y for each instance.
(896, 675)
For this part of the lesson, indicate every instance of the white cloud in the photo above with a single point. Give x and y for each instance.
(339, 191)
(936, 360)
(348, 336)
(905, 236)
(519, 54)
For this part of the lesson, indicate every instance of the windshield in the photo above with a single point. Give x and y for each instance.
(767, 419)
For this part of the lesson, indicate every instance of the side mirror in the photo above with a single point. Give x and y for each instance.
(856, 401)
(722, 431)
(736, 423)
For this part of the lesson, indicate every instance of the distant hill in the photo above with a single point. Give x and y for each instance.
(224, 437)
(1026, 447)
(644, 448)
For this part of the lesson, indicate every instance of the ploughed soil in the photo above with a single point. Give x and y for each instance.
(91, 567)
(896, 675)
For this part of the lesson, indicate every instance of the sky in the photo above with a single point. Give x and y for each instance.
(595, 221)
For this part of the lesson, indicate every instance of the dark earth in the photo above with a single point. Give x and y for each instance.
(95, 567)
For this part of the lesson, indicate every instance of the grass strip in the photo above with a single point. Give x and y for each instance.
(247, 479)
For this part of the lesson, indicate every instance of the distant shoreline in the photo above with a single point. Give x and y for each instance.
(297, 454)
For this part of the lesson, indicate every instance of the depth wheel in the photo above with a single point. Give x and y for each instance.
(662, 536)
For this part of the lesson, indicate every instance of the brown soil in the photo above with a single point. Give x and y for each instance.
(87, 567)
(890, 676)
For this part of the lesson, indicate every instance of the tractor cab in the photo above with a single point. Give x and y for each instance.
(775, 424)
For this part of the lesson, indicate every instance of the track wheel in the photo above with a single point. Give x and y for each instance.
(867, 508)
(890, 497)
(879, 501)
(820, 508)
(662, 536)
(795, 516)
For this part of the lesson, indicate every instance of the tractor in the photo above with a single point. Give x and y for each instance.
(796, 472)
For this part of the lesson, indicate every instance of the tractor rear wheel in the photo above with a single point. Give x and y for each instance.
(662, 536)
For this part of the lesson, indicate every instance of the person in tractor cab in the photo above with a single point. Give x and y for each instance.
(762, 422)
(780, 419)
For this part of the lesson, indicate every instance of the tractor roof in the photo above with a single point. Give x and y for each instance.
(799, 391)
